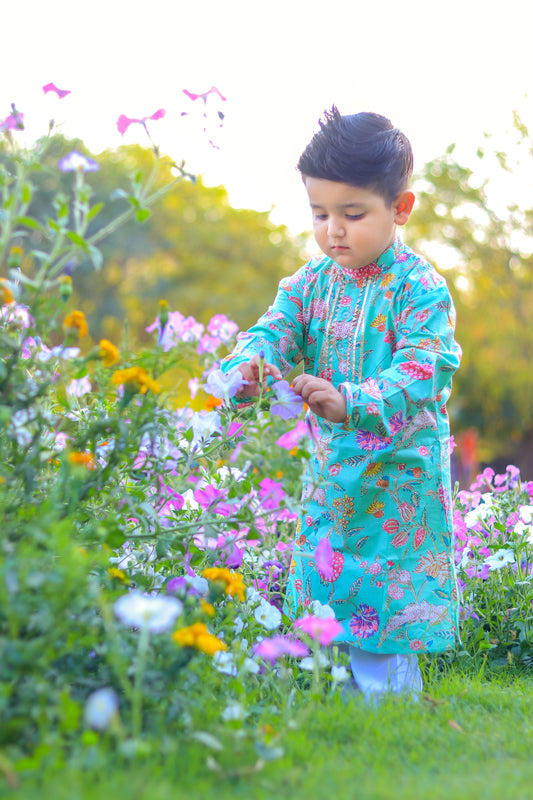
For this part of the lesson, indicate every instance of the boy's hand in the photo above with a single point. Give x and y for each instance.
(250, 373)
(322, 397)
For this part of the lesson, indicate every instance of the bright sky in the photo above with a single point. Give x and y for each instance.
(442, 71)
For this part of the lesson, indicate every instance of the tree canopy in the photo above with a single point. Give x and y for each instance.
(492, 285)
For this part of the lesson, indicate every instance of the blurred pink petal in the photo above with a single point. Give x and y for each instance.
(324, 558)
(124, 122)
(204, 96)
(51, 87)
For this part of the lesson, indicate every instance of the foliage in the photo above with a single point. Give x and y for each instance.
(494, 554)
(492, 284)
(198, 252)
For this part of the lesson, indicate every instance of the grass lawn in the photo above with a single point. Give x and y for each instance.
(468, 737)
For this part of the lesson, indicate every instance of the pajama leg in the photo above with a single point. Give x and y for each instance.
(377, 674)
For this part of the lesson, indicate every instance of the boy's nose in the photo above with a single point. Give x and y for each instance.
(335, 228)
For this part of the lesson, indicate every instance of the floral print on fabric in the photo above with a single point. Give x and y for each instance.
(378, 485)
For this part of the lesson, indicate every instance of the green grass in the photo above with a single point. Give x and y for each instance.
(399, 749)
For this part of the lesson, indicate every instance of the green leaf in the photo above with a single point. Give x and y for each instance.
(77, 239)
(94, 211)
(142, 214)
(26, 193)
(29, 222)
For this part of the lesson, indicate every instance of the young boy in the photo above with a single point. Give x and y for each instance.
(374, 326)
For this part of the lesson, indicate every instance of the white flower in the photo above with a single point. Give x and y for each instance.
(481, 512)
(499, 559)
(526, 514)
(321, 610)
(147, 611)
(238, 625)
(308, 662)
(234, 711)
(339, 673)
(100, 708)
(224, 663)
(250, 666)
(269, 616)
(204, 424)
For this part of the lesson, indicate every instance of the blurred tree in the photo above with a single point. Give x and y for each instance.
(194, 250)
(492, 285)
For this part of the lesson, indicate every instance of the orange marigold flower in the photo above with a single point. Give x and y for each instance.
(207, 608)
(75, 324)
(82, 460)
(7, 294)
(108, 353)
(213, 402)
(233, 582)
(198, 636)
(135, 379)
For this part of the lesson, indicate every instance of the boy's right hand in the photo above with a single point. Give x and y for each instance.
(250, 372)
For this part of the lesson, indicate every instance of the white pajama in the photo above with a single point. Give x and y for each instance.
(376, 674)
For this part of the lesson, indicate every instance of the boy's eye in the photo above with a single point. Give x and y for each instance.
(354, 216)
(320, 216)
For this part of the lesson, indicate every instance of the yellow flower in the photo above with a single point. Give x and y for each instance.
(207, 608)
(75, 324)
(108, 353)
(135, 379)
(233, 583)
(118, 574)
(65, 287)
(82, 460)
(7, 294)
(198, 636)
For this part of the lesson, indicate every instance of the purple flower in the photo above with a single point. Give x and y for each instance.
(271, 493)
(271, 649)
(322, 630)
(77, 162)
(224, 385)
(324, 559)
(51, 87)
(209, 498)
(288, 404)
(124, 122)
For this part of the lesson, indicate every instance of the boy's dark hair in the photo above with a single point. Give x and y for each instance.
(362, 150)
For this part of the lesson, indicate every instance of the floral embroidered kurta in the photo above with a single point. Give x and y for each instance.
(378, 485)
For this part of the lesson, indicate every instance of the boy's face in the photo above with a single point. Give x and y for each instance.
(353, 225)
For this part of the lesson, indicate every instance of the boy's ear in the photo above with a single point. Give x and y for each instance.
(403, 205)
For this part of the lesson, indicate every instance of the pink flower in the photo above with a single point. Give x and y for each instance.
(51, 87)
(271, 649)
(205, 95)
(415, 644)
(423, 451)
(322, 630)
(292, 438)
(395, 591)
(12, 121)
(324, 558)
(375, 568)
(124, 122)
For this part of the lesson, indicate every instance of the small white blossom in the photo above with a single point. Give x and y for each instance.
(321, 610)
(339, 673)
(147, 611)
(234, 711)
(308, 663)
(100, 708)
(269, 616)
(499, 559)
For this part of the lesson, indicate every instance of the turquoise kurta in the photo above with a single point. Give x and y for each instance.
(378, 485)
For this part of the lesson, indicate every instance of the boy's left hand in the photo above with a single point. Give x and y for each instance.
(321, 396)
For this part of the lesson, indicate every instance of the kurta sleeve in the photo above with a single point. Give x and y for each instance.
(279, 332)
(422, 366)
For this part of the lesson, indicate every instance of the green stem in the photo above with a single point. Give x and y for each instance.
(136, 710)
